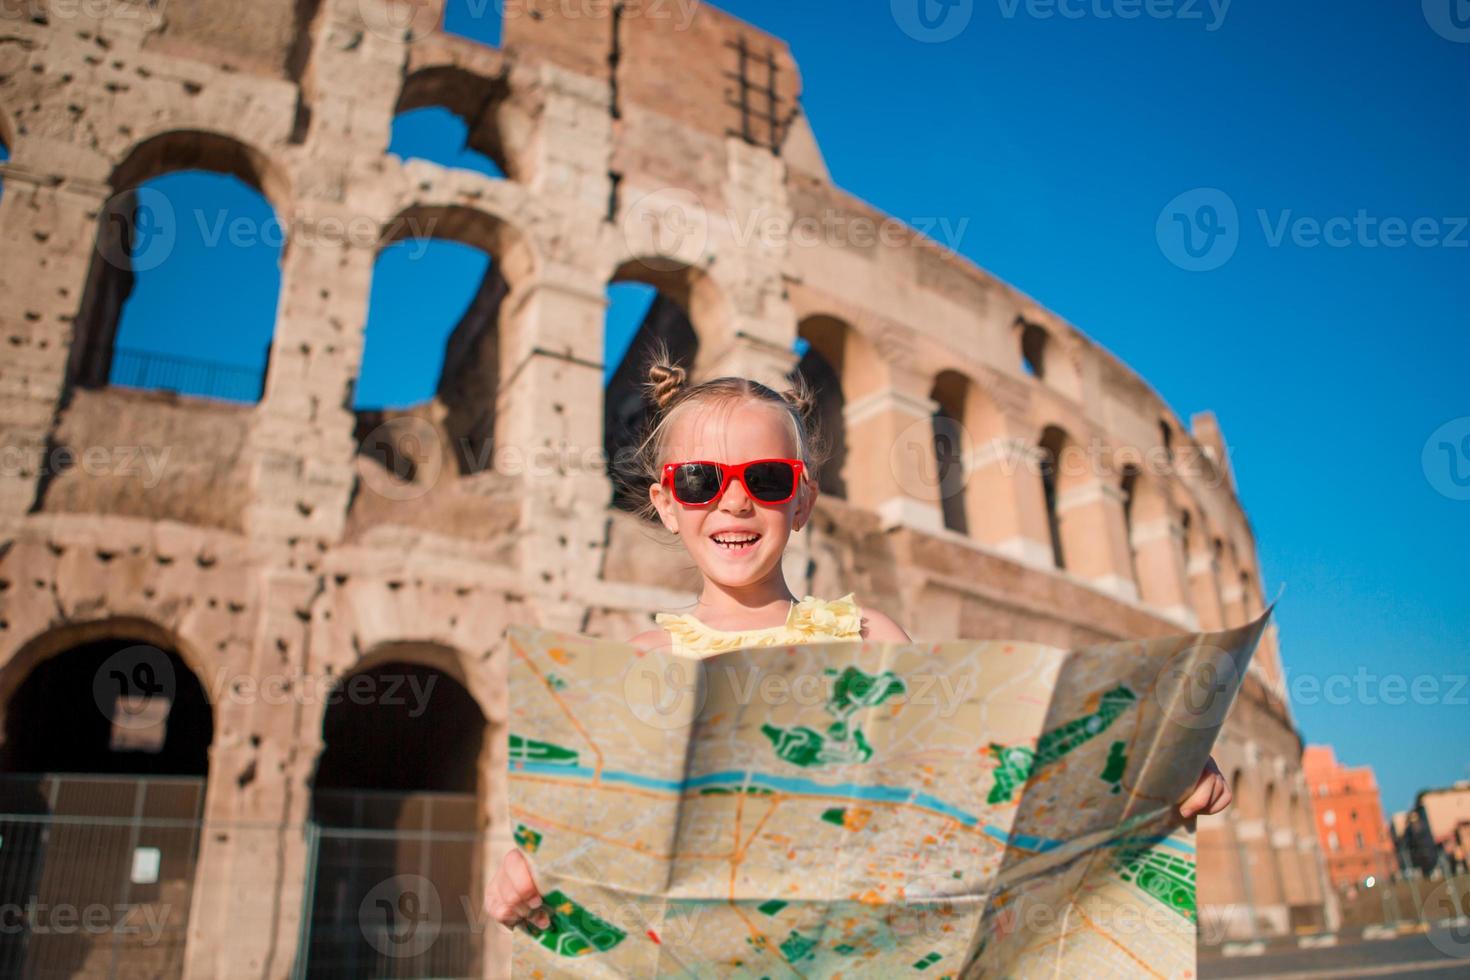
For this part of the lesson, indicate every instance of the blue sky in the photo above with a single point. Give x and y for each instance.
(1057, 142)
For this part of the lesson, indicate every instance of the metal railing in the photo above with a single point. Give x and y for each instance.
(96, 875)
(388, 881)
(133, 368)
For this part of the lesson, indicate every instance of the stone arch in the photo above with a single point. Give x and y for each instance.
(841, 366)
(685, 310)
(481, 102)
(400, 793)
(57, 640)
(1152, 547)
(1063, 470)
(463, 396)
(1048, 354)
(1204, 587)
(1036, 346)
(109, 734)
(952, 448)
(112, 275)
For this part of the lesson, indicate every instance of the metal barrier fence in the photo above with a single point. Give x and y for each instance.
(187, 376)
(390, 880)
(1408, 901)
(96, 875)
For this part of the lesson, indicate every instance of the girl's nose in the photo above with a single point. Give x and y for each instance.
(735, 499)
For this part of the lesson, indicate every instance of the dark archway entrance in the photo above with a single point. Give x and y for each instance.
(394, 886)
(102, 786)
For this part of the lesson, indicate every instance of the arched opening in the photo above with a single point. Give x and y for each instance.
(454, 118)
(1154, 552)
(950, 393)
(193, 217)
(1059, 473)
(105, 762)
(1034, 342)
(843, 370)
(439, 136)
(1166, 439)
(822, 364)
(431, 342)
(649, 306)
(395, 821)
(1129, 491)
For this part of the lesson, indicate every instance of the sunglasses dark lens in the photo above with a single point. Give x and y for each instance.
(696, 483)
(770, 481)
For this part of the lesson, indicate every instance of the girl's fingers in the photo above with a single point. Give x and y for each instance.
(1198, 798)
(518, 873)
(515, 897)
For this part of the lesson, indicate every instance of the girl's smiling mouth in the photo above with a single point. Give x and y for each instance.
(736, 543)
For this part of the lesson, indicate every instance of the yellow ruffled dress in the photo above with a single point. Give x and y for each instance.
(811, 620)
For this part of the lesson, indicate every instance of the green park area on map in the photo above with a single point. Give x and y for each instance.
(865, 810)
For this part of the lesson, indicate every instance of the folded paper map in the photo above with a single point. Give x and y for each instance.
(863, 810)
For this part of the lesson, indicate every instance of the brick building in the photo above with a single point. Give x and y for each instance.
(292, 551)
(1350, 822)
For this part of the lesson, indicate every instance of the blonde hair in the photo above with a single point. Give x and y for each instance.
(668, 391)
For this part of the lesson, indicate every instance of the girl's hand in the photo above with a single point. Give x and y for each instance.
(514, 897)
(1210, 795)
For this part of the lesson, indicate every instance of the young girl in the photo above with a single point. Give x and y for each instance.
(730, 462)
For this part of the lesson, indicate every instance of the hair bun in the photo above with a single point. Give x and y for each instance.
(665, 380)
(801, 396)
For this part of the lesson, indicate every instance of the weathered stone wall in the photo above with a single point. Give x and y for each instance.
(277, 541)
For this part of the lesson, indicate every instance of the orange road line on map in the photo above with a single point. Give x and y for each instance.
(775, 802)
(1130, 954)
(629, 790)
(587, 736)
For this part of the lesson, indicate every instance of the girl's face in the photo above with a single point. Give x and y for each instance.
(733, 432)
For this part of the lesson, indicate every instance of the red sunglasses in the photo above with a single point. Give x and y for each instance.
(770, 481)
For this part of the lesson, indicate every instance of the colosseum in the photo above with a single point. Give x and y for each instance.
(294, 546)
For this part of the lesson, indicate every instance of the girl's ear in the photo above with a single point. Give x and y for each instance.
(662, 504)
(806, 500)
